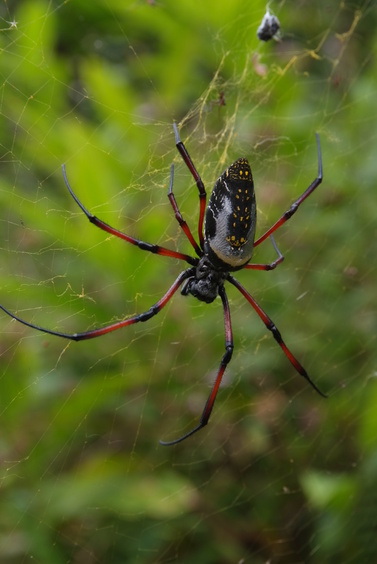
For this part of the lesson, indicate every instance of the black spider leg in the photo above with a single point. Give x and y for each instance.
(178, 216)
(152, 311)
(275, 332)
(202, 191)
(156, 249)
(294, 207)
(270, 266)
(224, 363)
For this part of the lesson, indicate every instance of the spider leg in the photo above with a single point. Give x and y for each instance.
(179, 217)
(202, 191)
(156, 308)
(224, 363)
(270, 266)
(275, 332)
(294, 207)
(156, 249)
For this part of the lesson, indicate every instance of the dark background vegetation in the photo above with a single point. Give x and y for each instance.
(280, 474)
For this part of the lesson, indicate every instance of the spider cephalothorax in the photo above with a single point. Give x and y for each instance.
(205, 283)
(225, 245)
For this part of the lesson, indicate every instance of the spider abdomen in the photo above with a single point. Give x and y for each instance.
(231, 218)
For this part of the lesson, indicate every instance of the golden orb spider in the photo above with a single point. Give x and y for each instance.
(226, 232)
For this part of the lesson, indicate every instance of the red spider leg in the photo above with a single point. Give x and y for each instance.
(156, 308)
(270, 266)
(202, 191)
(224, 363)
(157, 249)
(275, 332)
(294, 207)
(179, 218)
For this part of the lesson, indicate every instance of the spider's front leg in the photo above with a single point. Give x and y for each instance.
(224, 363)
(270, 325)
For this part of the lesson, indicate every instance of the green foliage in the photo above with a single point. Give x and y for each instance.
(279, 475)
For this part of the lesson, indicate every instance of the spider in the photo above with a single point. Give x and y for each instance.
(226, 234)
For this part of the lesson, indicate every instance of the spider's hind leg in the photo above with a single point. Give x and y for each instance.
(178, 216)
(152, 248)
(199, 182)
(294, 207)
(270, 266)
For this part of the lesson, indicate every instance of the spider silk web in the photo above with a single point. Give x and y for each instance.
(279, 474)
